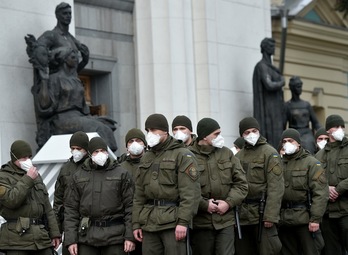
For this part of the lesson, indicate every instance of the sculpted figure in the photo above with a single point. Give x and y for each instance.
(299, 114)
(268, 94)
(58, 92)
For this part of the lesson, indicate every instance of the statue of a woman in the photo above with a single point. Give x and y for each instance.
(299, 114)
(268, 94)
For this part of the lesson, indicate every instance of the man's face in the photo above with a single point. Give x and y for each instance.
(290, 140)
(182, 129)
(64, 16)
(322, 137)
(249, 131)
(162, 133)
(209, 138)
(129, 143)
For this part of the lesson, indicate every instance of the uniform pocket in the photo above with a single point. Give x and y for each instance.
(143, 176)
(256, 173)
(167, 174)
(299, 179)
(225, 172)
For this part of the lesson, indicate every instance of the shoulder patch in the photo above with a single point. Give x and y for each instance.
(318, 174)
(277, 170)
(2, 191)
(275, 155)
(192, 172)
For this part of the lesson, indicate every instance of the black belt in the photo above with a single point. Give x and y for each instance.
(106, 223)
(290, 205)
(252, 200)
(32, 221)
(161, 202)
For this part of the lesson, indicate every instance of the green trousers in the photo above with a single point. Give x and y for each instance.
(213, 242)
(298, 240)
(47, 251)
(268, 245)
(163, 243)
(117, 249)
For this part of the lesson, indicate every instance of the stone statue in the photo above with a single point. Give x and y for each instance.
(58, 92)
(268, 94)
(299, 114)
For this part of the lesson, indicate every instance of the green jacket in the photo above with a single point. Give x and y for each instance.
(221, 177)
(99, 194)
(22, 198)
(131, 164)
(303, 174)
(64, 178)
(166, 172)
(264, 173)
(334, 159)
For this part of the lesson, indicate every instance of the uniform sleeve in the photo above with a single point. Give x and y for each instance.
(189, 188)
(13, 196)
(71, 214)
(275, 188)
(319, 191)
(239, 189)
(53, 228)
(60, 188)
(138, 200)
(127, 198)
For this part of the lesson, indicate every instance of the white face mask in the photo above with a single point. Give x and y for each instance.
(322, 144)
(338, 134)
(218, 142)
(252, 138)
(179, 135)
(26, 165)
(152, 139)
(136, 148)
(234, 150)
(78, 155)
(100, 158)
(289, 148)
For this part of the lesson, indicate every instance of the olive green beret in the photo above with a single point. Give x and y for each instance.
(182, 120)
(246, 123)
(96, 143)
(334, 121)
(135, 133)
(205, 127)
(79, 139)
(157, 121)
(291, 133)
(20, 149)
(320, 131)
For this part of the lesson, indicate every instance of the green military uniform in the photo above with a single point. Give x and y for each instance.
(264, 175)
(221, 178)
(131, 164)
(303, 174)
(61, 186)
(23, 203)
(98, 208)
(167, 193)
(334, 159)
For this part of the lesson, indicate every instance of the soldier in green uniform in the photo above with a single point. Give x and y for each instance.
(167, 191)
(304, 201)
(79, 146)
(182, 130)
(31, 227)
(98, 208)
(136, 145)
(259, 212)
(334, 159)
(223, 185)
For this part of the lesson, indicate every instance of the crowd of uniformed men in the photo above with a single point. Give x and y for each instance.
(182, 194)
